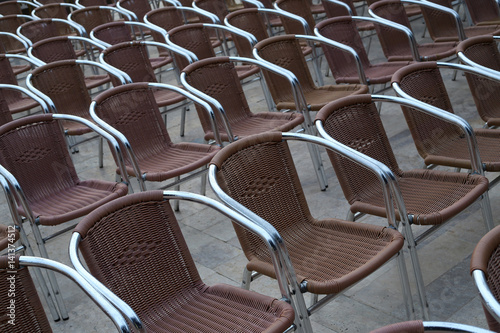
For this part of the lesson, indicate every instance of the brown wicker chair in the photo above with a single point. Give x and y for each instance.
(336, 8)
(418, 326)
(398, 42)
(438, 142)
(272, 20)
(424, 197)
(135, 8)
(29, 314)
(171, 297)
(10, 23)
(285, 51)
(54, 10)
(63, 85)
(482, 52)
(484, 271)
(93, 16)
(483, 12)
(257, 177)
(152, 156)
(5, 113)
(345, 67)
(37, 30)
(35, 143)
(411, 9)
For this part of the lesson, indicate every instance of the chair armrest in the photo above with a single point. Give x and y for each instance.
(234, 30)
(32, 95)
(449, 11)
(206, 13)
(19, 38)
(284, 13)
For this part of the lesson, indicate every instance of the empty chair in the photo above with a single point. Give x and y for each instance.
(422, 197)
(398, 42)
(10, 23)
(411, 9)
(37, 30)
(5, 113)
(484, 271)
(285, 51)
(418, 326)
(336, 8)
(56, 195)
(300, 8)
(438, 142)
(147, 238)
(272, 20)
(135, 8)
(482, 52)
(345, 65)
(257, 177)
(216, 7)
(93, 16)
(483, 12)
(54, 10)
(132, 111)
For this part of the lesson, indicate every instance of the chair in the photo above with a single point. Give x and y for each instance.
(421, 196)
(437, 142)
(300, 8)
(185, 303)
(37, 30)
(10, 23)
(35, 143)
(398, 41)
(257, 177)
(272, 21)
(135, 8)
(5, 113)
(418, 326)
(63, 85)
(483, 12)
(336, 8)
(284, 51)
(484, 271)
(131, 111)
(14, 7)
(411, 9)
(54, 10)
(15, 100)
(23, 300)
(93, 16)
(346, 65)
(446, 25)
(482, 52)
(133, 59)
(6, 38)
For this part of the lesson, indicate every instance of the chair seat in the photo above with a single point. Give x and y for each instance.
(160, 61)
(473, 31)
(173, 161)
(429, 52)
(325, 94)
(167, 97)
(339, 253)
(18, 69)
(364, 25)
(261, 122)
(375, 73)
(94, 81)
(68, 204)
(23, 104)
(245, 71)
(455, 153)
(5, 233)
(220, 308)
(426, 195)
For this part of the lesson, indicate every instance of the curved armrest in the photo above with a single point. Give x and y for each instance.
(64, 4)
(234, 30)
(85, 40)
(32, 95)
(21, 40)
(206, 13)
(119, 74)
(488, 299)
(307, 28)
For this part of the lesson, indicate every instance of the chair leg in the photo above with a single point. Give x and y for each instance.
(314, 298)
(405, 284)
(318, 166)
(101, 152)
(350, 216)
(203, 189)
(183, 120)
(177, 188)
(486, 210)
(247, 279)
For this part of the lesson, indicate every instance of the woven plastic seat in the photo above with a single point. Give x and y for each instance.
(171, 297)
(285, 51)
(477, 52)
(418, 326)
(328, 255)
(423, 82)
(396, 42)
(484, 270)
(8, 236)
(425, 197)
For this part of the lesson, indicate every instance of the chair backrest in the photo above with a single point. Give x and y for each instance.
(193, 37)
(10, 23)
(133, 59)
(393, 42)
(355, 122)
(114, 32)
(25, 301)
(251, 21)
(91, 17)
(335, 10)
(146, 249)
(64, 83)
(54, 49)
(342, 30)
(34, 143)
(424, 82)
(53, 10)
(166, 17)
(483, 11)
(300, 8)
(284, 51)
(217, 7)
(138, 7)
(484, 51)
(10, 8)
(90, 3)
(441, 26)
(217, 78)
(5, 115)
(45, 28)
(7, 76)
(132, 110)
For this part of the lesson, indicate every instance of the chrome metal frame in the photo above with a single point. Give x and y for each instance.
(263, 230)
(386, 178)
(488, 299)
(452, 327)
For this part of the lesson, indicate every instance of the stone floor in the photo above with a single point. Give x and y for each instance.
(372, 303)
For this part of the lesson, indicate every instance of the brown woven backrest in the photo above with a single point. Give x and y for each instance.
(334, 10)
(10, 8)
(63, 82)
(54, 49)
(251, 21)
(217, 78)
(38, 30)
(483, 10)
(135, 247)
(193, 37)
(91, 17)
(166, 17)
(89, 3)
(342, 30)
(5, 115)
(484, 51)
(217, 7)
(393, 42)
(10, 23)
(355, 122)
(260, 174)
(29, 315)
(7, 76)
(300, 8)
(35, 151)
(132, 110)
(53, 10)
(133, 59)
(423, 81)
(285, 51)
(113, 33)
(138, 7)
